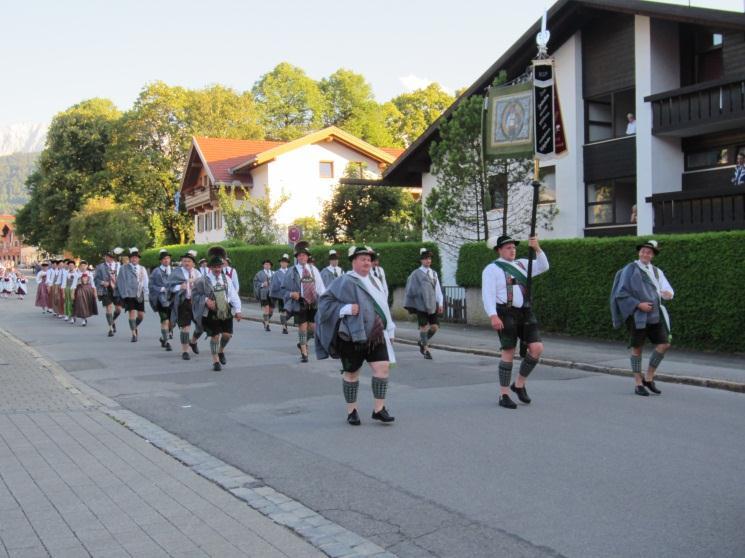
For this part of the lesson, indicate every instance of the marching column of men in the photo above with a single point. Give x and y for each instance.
(349, 311)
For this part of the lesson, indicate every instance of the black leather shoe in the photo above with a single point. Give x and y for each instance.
(168, 347)
(303, 358)
(353, 418)
(162, 343)
(185, 356)
(194, 348)
(111, 333)
(651, 387)
(134, 339)
(507, 403)
(266, 327)
(641, 390)
(522, 393)
(221, 356)
(427, 355)
(216, 367)
(113, 327)
(383, 416)
(285, 332)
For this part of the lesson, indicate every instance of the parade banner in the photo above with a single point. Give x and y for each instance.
(549, 129)
(509, 132)
(543, 91)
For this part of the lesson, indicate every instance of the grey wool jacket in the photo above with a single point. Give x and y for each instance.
(345, 290)
(420, 293)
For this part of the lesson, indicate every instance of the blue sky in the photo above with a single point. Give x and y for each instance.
(57, 53)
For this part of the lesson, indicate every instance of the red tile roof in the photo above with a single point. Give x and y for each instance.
(222, 154)
(395, 151)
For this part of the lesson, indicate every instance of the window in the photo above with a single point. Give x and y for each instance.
(208, 221)
(547, 193)
(205, 181)
(611, 202)
(218, 219)
(709, 62)
(606, 117)
(707, 158)
(326, 169)
(200, 223)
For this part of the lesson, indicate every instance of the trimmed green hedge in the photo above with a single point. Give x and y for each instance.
(398, 259)
(706, 271)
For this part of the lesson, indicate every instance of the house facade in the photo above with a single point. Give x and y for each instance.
(679, 71)
(306, 170)
(10, 242)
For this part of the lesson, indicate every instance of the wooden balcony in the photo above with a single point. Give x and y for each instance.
(704, 108)
(199, 197)
(716, 209)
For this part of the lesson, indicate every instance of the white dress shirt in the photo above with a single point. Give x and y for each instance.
(662, 284)
(230, 292)
(494, 286)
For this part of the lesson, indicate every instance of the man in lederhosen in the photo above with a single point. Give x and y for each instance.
(181, 285)
(423, 297)
(355, 325)
(262, 291)
(132, 285)
(104, 279)
(331, 271)
(275, 291)
(639, 290)
(503, 288)
(300, 289)
(215, 303)
(70, 277)
(51, 282)
(160, 297)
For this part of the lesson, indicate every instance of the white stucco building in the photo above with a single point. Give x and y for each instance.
(680, 71)
(306, 169)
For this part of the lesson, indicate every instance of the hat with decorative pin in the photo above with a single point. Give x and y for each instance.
(333, 255)
(163, 253)
(134, 251)
(424, 253)
(118, 251)
(285, 258)
(355, 251)
(496, 243)
(651, 244)
(190, 254)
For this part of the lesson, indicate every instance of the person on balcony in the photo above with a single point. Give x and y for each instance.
(738, 179)
(631, 126)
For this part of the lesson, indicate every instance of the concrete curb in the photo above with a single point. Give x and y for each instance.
(711, 383)
(325, 535)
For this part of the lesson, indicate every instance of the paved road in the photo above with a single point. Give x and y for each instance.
(588, 470)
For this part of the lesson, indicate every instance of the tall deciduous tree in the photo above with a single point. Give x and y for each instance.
(370, 213)
(101, 224)
(70, 171)
(291, 103)
(351, 105)
(415, 111)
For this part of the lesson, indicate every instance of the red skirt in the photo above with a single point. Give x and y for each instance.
(42, 296)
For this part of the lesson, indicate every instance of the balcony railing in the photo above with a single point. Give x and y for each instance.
(701, 108)
(697, 211)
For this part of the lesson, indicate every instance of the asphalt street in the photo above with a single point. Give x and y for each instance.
(587, 470)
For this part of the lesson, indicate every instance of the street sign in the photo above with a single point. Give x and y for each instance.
(294, 233)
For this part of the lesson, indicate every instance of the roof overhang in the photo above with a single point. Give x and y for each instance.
(332, 133)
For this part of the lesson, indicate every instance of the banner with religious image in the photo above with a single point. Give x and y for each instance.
(509, 130)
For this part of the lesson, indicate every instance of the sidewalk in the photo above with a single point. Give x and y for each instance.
(723, 371)
(74, 482)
